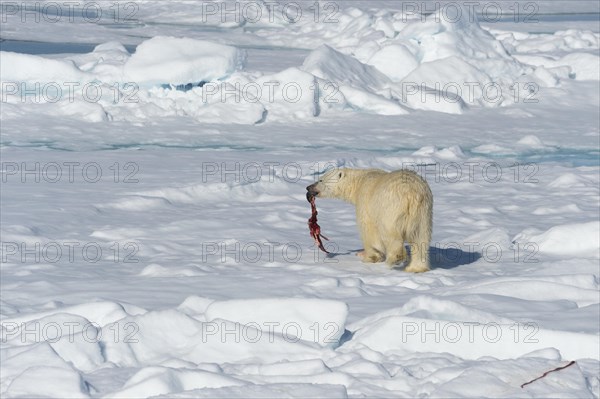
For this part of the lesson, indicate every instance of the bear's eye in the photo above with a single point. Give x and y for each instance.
(340, 175)
(320, 181)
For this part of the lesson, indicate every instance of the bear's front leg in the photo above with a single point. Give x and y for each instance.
(395, 252)
(372, 256)
(370, 238)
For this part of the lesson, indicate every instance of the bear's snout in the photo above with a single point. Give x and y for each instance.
(312, 190)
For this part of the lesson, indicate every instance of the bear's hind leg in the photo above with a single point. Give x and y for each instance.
(419, 257)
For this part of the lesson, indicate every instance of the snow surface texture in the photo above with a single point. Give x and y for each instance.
(383, 63)
(153, 223)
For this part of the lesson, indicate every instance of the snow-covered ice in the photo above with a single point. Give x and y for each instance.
(153, 214)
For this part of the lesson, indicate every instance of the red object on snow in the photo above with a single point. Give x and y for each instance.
(313, 226)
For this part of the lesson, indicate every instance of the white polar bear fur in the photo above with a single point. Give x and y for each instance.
(391, 208)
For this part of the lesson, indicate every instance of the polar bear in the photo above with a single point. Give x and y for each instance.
(391, 208)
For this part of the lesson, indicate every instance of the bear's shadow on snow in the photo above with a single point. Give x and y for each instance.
(439, 258)
(449, 258)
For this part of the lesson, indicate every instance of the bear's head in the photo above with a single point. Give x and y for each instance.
(330, 185)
